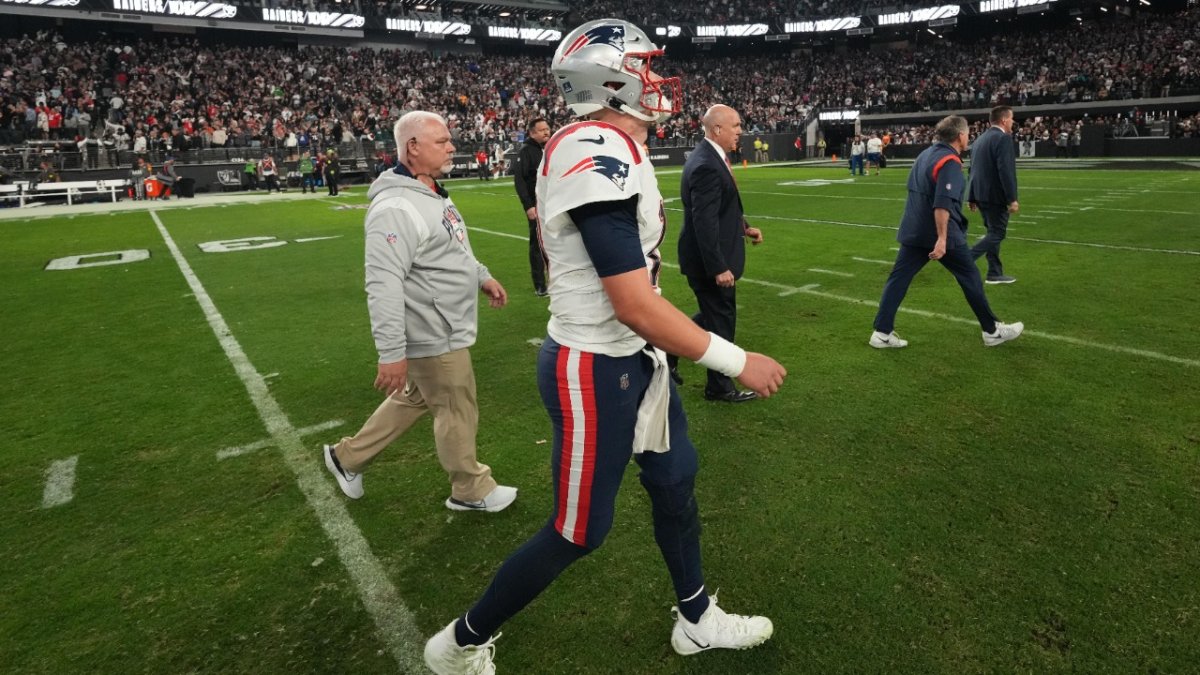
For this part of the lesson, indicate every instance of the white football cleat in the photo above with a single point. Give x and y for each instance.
(1004, 333)
(887, 340)
(350, 482)
(718, 630)
(445, 657)
(496, 500)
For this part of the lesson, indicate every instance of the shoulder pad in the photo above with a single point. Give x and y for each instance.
(588, 162)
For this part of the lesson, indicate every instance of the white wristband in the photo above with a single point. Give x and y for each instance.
(723, 356)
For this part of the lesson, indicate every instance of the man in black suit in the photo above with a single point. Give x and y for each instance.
(525, 179)
(993, 189)
(712, 253)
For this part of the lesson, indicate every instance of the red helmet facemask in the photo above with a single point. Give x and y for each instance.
(664, 95)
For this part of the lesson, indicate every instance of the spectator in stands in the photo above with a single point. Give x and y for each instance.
(874, 153)
(250, 171)
(481, 164)
(269, 172)
(47, 173)
(332, 169)
(137, 176)
(306, 173)
(168, 177)
(858, 151)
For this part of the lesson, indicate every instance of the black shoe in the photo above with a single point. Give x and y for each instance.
(734, 396)
(675, 376)
(541, 292)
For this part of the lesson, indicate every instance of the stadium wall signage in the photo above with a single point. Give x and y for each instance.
(737, 30)
(917, 15)
(196, 8)
(538, 34)
(430, 27)
(823, 26)
(326, 19)
(997, 5)
(46, 3)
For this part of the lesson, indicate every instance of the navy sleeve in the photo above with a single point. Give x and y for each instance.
(948, 190)
(610, 235)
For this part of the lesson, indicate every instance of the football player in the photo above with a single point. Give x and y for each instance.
(602, 379)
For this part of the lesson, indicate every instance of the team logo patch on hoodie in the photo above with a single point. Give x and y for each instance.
(453, 222)
(391, 237)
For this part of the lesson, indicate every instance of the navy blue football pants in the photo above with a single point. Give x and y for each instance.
(592, 401)
(910, 260)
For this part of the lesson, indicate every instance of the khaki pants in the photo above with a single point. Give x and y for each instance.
(445, 387)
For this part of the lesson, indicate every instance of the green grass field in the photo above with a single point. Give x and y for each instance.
(945, 508)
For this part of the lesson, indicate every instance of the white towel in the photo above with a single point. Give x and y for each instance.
(652, 433)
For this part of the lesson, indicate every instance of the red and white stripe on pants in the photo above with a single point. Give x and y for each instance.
(577, 396)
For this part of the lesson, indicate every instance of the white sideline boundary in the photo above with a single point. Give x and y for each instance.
(811, 289)
(394, 621)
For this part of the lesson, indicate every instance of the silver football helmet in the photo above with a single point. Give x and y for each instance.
(606, 64)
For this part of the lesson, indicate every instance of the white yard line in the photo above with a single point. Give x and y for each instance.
(60, 482)
(240, 450)
(811, 289)
(305, 240)
(871, 226)
(873, 260)
(396, 626)
(835, 273)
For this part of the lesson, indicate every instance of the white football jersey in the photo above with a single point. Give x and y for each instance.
(589, 162)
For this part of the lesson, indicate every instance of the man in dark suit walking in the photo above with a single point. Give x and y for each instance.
(525, 179)
(712, 253)
(993, 189)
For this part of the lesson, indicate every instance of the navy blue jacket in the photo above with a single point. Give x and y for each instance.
(712, 238)
(993, 170)
(935, 182)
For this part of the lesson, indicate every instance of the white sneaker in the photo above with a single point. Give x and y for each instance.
(718, 630)
(445, 657)
(1004, 333)
(350, 482)
(496, 500)
(887, 340)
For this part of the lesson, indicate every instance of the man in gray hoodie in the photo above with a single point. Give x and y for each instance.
(422, 285)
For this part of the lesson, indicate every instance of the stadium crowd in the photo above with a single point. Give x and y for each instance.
(177, 94)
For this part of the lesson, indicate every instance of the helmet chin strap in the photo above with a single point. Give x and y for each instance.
(623, 107)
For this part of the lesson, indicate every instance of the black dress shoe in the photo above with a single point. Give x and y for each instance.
(734, 396)
(675, 376)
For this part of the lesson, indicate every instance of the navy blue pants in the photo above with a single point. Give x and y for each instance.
(910, 260)
(592, 401)
(995, 221)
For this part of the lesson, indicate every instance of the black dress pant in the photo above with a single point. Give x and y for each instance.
(537, 264)
(718, 315)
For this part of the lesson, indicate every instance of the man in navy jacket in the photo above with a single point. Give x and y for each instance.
(712, 253)
(994, 189)
(934, 228)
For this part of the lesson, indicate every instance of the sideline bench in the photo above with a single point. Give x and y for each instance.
(24, 191)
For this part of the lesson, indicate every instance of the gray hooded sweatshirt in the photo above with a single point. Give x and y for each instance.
(422, 278)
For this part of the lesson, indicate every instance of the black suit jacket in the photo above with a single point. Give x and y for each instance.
(993, 169)
(713, 235)
(525, 173)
